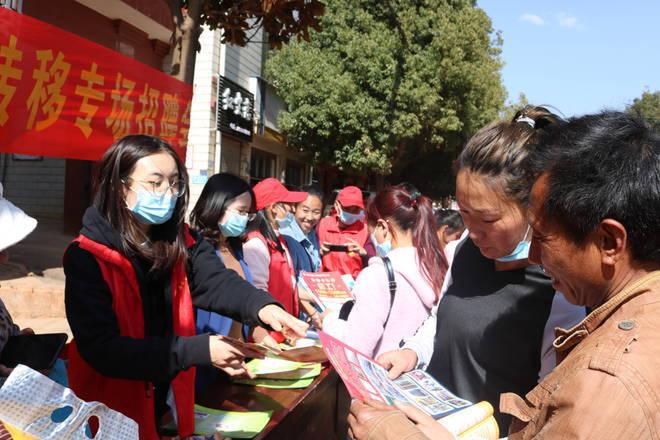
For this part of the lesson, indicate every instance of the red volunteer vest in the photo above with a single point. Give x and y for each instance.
(280, 275)
(133, 398)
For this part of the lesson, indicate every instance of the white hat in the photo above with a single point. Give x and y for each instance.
(15, 225)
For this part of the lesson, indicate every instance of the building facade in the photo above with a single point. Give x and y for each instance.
(233, 120)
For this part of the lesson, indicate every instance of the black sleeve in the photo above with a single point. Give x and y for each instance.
(95, 328)
(221, 290)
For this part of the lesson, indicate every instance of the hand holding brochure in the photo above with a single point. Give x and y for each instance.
(366, 379)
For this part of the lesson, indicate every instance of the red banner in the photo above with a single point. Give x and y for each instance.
(64, 96)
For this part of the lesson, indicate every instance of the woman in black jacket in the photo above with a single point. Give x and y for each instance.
(132, 279)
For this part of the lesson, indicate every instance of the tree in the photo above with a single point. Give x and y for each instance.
(387, 81)
(648, 106)
(280, 19)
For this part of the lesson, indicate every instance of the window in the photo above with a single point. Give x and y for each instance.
(295, 174)
(262, 165)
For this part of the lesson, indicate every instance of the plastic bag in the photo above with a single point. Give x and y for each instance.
(34, 407)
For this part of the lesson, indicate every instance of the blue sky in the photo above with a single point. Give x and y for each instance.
(579, 56)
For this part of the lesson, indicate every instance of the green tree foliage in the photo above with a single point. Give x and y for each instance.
(647, 105)
(387, 82)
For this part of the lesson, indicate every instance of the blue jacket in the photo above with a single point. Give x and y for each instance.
(308, 242)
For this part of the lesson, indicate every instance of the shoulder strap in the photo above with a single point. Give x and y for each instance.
(392, 285)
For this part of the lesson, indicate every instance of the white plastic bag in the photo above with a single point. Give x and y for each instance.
(36, 406)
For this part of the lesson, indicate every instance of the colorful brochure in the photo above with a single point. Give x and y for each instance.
(366, 379)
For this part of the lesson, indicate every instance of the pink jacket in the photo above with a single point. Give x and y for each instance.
(412, 305)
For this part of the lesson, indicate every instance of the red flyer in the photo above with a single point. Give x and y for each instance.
(328, 288)
(326, 284)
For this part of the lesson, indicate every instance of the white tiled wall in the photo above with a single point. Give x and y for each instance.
(200, 155)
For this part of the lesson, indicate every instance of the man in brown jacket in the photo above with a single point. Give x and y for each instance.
(595, 213)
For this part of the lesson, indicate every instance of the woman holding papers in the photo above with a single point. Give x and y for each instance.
(493, 328)
(133, 276)
(221, 215)
(402, 228)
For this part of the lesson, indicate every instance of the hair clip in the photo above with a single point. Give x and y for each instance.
(526, 120)
(414, 196)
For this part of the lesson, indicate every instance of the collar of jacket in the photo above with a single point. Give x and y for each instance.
(566, 339)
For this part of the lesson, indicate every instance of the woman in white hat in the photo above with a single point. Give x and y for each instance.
(15, 226)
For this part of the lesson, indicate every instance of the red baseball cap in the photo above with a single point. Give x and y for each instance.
(351, 196)
(270, 191)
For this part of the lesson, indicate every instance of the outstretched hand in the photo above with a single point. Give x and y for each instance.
(280, 321)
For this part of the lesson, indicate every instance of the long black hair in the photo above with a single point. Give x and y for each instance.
(216, 195)
(167, 240)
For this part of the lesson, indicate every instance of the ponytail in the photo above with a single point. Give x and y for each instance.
(411, 211)
(426, 242)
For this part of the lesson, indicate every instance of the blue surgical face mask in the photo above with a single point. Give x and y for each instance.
(521, 251)
(348, 219)
(234, 224)
(285, 222)
(153, 209)
(382, 249)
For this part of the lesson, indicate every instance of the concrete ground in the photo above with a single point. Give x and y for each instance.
(32, 282)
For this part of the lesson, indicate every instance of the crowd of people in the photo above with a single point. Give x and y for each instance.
(538, 295)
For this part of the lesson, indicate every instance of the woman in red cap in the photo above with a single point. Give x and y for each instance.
(347, 229)
(266, 251)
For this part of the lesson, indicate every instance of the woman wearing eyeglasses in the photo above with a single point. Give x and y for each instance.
(133, 276)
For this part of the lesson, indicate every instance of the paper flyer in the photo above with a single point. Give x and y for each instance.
(366, 379)
(328, 288)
